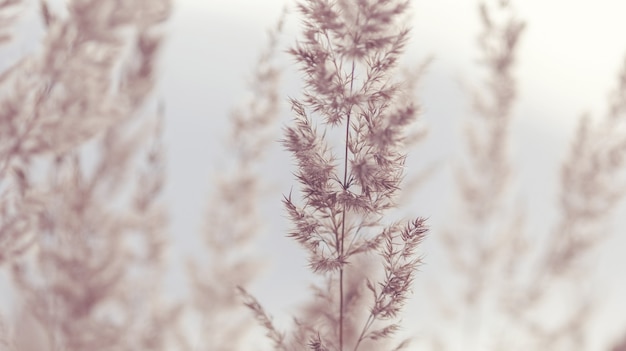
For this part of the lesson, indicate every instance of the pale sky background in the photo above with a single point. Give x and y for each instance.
(569, 57)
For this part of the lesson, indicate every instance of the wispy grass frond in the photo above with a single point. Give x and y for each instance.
(347, 138)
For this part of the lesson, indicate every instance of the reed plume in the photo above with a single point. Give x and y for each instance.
(483, 245)
(591, 189)
(92, 222)
(507, 274)
(233, 220)
(54, 100)
(350, 173)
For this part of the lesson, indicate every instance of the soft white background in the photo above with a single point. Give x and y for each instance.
(569, 57)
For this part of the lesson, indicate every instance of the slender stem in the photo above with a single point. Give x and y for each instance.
(341, 309)
(368, 324)
(343, 221)
(371, 318)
